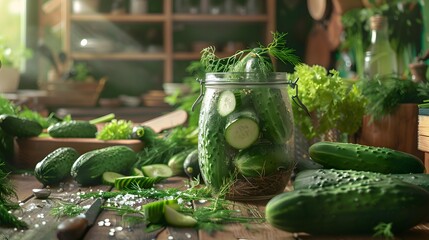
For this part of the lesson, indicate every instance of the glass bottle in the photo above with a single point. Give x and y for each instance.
(380, 59)
(246, 120)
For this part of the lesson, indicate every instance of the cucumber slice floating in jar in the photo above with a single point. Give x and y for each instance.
(227, 103)
(242, 129)
(157, 170)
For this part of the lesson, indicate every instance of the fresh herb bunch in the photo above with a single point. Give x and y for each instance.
(332, 102)
(276, 49)
(164, 147)
(116, 129)
(384, 94)
(7, 191)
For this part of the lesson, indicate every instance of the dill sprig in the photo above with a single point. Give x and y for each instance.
(66, 209)
(7, 191)
(211, 216)
(384, 230)
(277, 49)
(9, 220)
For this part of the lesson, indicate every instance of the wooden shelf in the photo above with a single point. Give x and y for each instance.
(117, 18)
(196, 55)
(164, 20)
(118, 56)
(219, 18)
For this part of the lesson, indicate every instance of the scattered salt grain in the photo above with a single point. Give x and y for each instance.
(101, 223)
(119, 228)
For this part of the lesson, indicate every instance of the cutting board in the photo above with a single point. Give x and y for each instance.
(29, 151)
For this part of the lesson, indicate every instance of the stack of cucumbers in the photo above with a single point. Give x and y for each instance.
(246, 124)
(358, 189)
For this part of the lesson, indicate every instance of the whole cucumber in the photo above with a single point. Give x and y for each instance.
(90, 166)
(20, 127)
(351, 156)
(351, 209)
(73, 129)
(56, 165)
(317, 178)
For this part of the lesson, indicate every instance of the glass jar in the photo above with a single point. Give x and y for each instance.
(380, 59)
(245, 141)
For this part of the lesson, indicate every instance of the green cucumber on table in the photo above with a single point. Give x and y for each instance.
(359, 157)
(90, 166)
(20, 127)
(350, 209)
(177, 160)
(73, 129)
(56, 166)
(317, 178)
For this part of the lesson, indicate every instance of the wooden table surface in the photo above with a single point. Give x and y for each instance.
(36, 213)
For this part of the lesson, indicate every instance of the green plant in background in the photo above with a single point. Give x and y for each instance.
(384, 94)
(10, 57)
(404, 20)
(196, 71)
(81, 72)
(333, 102)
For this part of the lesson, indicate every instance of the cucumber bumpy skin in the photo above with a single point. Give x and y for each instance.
(56, 166)
(90, 166)
(351, 209)
(73, 129)
(20, 127)
(214, 153)
(351, 156)
(311, 179)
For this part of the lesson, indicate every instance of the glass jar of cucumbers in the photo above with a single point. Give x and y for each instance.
(246, 134)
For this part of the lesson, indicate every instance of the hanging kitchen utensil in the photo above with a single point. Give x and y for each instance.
(47, 52)
(319, 10)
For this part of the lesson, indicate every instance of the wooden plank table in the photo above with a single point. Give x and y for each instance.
(36, 213)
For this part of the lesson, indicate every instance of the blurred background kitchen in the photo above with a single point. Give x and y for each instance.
(138, 57)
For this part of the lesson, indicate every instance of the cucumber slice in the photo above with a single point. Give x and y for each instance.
(242, 129)
(227, 103)
(154, 211)
(137, 172)
(109, 177)
(157, 170)
(177, 219)
(136, 182)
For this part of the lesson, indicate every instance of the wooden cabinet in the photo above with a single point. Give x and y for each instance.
(163, 40)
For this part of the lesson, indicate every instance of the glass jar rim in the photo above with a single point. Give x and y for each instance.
(238, 78)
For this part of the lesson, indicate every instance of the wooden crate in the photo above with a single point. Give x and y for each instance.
(423, 134)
